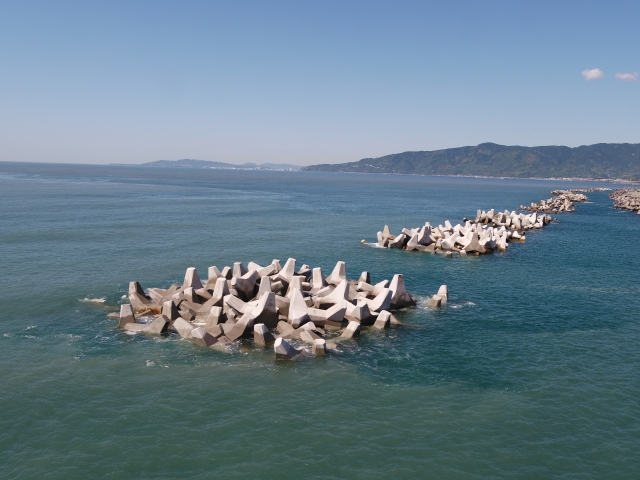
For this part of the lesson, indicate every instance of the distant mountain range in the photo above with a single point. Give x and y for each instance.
(191, 163)
(599, 161)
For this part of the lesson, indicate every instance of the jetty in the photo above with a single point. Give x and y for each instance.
(276, 306)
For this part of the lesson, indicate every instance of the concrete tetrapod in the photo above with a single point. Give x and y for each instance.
(296, 282)
(283, 350)
(183, 327)
(220, 290)
(282, 304)
(191, 279)
(359, 313)
(298, 314)
(434, 301)
(339, 294)
(262, 335)
(265, 286)
(245, 284)
(308, 336)
(334, 314)
(304, 271)
(401, 297)
(398, 242)
(352, 330)
(214, 274)
(239, 270)
(203, 338)
(140, 303)
(382, 301)
(215, 317)
(159, 296)
(242, 328)
(318, 282)
(474, 244)
(135, 287)
(339, 274)
(157, 326)
(126, 315)
(266, 312)
(383, 321)
(170, 310)
(285, 329)
(443, 293)
(191, 295)
(288, 271)
(319, 347)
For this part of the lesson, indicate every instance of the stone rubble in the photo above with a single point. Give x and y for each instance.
(272, 305)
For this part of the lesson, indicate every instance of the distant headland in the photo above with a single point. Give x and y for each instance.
(191, 163)
(602, 161)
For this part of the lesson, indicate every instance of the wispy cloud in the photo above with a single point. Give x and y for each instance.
(592, 74)
(627, 77)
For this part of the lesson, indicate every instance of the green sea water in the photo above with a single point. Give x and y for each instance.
(530, 371)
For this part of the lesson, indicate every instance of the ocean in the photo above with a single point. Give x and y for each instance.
(531, 371)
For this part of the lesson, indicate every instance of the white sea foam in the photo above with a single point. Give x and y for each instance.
(30, 327)
(150, 363)
(94, 300)
(465, 304)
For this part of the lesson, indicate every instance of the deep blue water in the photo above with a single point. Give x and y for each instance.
(531, 371)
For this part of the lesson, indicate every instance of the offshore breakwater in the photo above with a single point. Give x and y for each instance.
(627, 199)
(489, 231)
(272, 305)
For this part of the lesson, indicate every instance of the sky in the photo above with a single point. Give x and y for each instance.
(307, 82)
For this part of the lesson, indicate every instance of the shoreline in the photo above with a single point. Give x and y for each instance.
(618, 181)
(553, 179)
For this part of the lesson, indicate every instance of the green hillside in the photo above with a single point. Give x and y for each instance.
(600, 161)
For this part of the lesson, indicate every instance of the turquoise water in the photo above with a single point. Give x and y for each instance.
(531, 371)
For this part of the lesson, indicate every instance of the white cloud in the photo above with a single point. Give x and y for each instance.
(592, 74)
(627, 77)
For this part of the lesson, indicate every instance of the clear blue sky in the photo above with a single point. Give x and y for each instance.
(310, 82)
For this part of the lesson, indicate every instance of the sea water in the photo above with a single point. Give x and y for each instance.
(531, 371)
